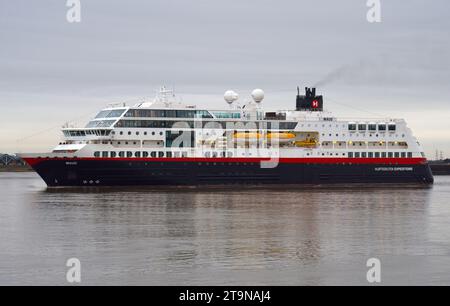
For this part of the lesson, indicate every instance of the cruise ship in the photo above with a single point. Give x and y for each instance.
(166, 142)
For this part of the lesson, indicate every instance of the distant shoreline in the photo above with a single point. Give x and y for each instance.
(16, 169)
(440, 169)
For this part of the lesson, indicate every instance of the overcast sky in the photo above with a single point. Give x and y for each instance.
(53, 71)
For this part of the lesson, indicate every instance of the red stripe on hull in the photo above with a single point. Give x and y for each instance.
(33, 161)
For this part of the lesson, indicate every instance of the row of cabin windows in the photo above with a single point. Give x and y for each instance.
(126, 123)
(160, 154)
(142, 113)
(155, 113)
(227, 115)
(154, 154)
(218, 154)
(370, 135)
(380, 154)
(139, 154)
(137, 133)
(372, 127)
(128, 142)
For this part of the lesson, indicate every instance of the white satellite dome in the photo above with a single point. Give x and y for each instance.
(258, 95)
(230, 96)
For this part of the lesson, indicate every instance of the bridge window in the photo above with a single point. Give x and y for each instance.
(377, 154)
(362, 127)
(97, 154)
(129, 154)
(77, 133)
(121, 154)
(227, 115)
(205, 114)
(352, 126)
(392, 127)
(113, 154)
(110, 113)
(382, 127)
(104, 154)
(137, 154)
(171, 113)
(99, 123)
(146, 113)
(185, 113)
(102, 114)
(115, 113)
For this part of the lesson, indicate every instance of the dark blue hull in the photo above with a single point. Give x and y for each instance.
(110, 172)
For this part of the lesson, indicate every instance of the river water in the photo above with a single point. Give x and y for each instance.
(156, 236)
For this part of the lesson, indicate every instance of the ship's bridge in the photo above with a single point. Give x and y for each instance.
(86, 133)
(98, 128)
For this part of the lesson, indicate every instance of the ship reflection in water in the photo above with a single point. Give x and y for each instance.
(319, 236)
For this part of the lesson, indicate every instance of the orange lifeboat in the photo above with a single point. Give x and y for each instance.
(307, 143)
(247, 136)
(281, 136)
